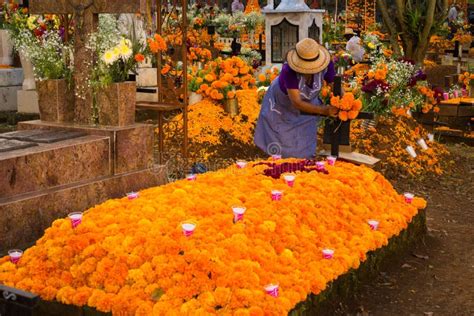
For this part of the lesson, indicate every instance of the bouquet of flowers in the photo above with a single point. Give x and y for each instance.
(44, 40)
(349, 106)
(118, 56)
(467, 79)
(223, 77)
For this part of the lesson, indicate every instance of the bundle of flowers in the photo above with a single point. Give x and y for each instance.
(226, 76)
(199, 55)
(389, 140)
(394, 86)
(466, 79)
(348, 106)
(42, 39)
(174, 250)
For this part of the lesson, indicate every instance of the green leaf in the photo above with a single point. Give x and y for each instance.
(157, 294)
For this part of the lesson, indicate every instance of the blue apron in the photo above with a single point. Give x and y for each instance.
(281, 128)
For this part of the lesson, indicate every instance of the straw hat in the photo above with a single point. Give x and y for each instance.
(308, 57)
(349, 31)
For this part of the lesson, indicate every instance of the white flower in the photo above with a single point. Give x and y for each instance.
(109, 57)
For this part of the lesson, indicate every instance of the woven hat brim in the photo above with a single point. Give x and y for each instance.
(309, 67)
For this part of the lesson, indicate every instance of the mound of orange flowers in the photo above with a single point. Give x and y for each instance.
(131, 256)
(388, 141)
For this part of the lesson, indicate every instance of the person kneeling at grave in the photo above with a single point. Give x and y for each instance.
(292, 109)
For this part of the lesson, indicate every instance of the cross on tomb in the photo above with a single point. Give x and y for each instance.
(86, 18)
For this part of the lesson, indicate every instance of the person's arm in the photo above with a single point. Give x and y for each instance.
(303, 106)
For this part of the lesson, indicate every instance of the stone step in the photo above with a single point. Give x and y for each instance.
(49, 165)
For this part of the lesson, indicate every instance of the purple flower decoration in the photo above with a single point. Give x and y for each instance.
(373, 85)
(419, 76)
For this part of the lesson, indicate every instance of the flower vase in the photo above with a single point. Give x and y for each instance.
(28, 74)
(231, 106)
(116, 104)
(55, 100)
(194, 98)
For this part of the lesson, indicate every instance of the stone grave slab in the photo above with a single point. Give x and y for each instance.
(54, 136)
(22, 135)
(12, 144)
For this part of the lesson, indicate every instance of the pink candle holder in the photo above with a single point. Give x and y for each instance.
(191, 177)
(277, 195)
(409, 197)
(290, 179)
(328, 253)
(456, 94)
(320, 165)
(276, 157)
(76, 219)
(272, 289)
(411, 151)
(374, 225)
(15, 255)
(331, 160)
(421, 142)
(431, 138)
(241, 164)
(133, 195)
(464, 92)
(445, 96)
(188, 228)
(239, 212)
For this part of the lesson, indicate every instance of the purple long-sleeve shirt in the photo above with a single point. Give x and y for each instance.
(289, 79)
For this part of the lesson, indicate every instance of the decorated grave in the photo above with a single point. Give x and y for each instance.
(273, 232)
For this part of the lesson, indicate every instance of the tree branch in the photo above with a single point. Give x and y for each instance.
(391, 26)
(430, 12)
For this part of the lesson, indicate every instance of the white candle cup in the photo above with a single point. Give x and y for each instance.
(191, 177)
(188, 228)
(239, 212)
(133, 195)
(290, 179)
(374, 225)
(409, 113)
(422, 144)
(445, 96)
(320, 165)
(277, 195)
(76, 219)
(431, 137)
(272, 289)
(241, 164)
(411, 151)
(276, 157)
(455, 94)
(331, 160)
(15, 255)
(409, 197)
(328, 253)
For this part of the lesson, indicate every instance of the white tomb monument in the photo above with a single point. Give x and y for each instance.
(285, 25)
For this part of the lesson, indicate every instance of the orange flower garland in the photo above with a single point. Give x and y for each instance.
(130, 257)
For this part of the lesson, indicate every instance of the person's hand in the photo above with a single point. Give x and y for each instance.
(332, 111)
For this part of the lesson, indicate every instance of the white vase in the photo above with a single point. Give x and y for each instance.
(194, 98)
(6, 48)
(29, 76)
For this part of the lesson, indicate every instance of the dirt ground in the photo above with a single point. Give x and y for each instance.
(437, 276)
